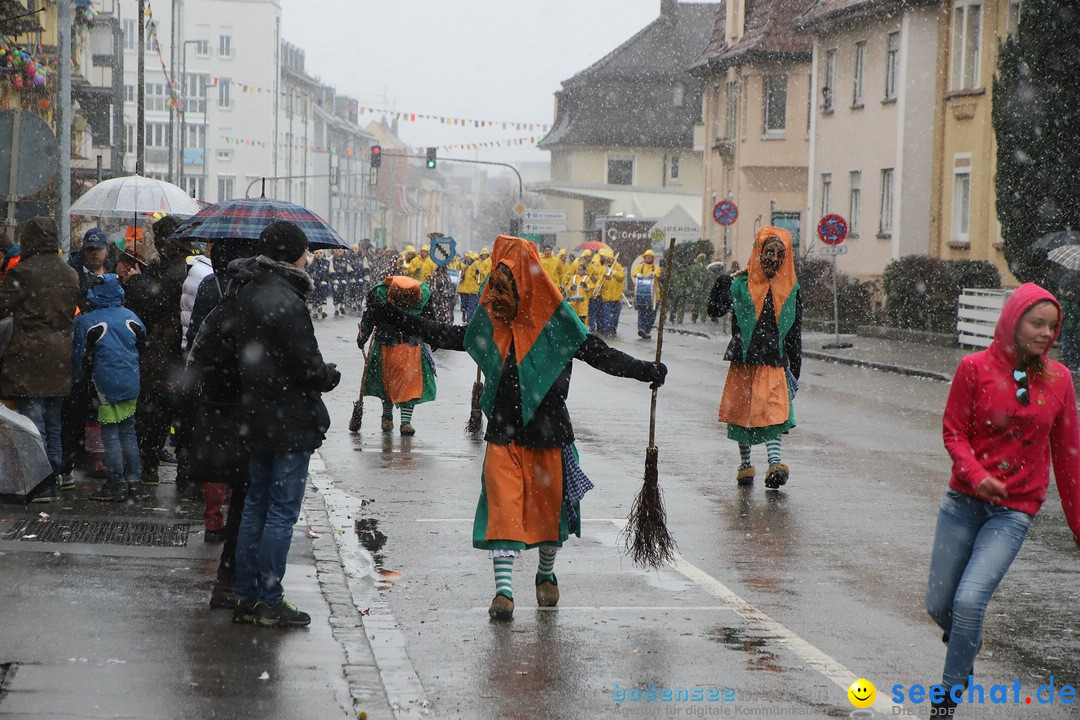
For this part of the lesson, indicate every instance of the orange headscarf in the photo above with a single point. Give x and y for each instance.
(783, 282)
(538, 297)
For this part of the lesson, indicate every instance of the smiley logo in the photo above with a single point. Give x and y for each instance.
(862, 693)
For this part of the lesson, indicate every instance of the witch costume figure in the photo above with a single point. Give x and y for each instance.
(400, 370)
(524, 337)
(765, 351)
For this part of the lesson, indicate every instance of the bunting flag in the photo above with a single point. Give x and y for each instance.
(513, 142)
(175, 99)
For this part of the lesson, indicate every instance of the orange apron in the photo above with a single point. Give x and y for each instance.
(402, 372)
(755, 396)
(524, 488)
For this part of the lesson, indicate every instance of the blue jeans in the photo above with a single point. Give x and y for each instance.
(121, 451)
(468, 305)
(646, 316)
(44, 412)
(610, 312)
(271, 509)
(974, 545)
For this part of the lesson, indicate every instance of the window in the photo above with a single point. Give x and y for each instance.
(961, 199)
(620, 171)
(1012, 21)
(826, 192)
(885, 226)
(129, 93)
(149, 37)
(857, 72)
(674, 168)
(157, 134)
(718, 110)
(892, 65)
(967, 26)
(195, 93)
(156, 97)
(731, 109)
(775, 106)
(194, 186)
(202, 48)
(828, 81)
(223, 99)
(225, 185)
(196, 136)
(678, 98)
(130, 132)
(854, 202)
(225, 46)
(131, 34)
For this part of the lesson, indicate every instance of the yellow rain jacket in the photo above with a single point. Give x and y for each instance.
(614, 279)
(470, 279)
(427, 268)
(578, 290)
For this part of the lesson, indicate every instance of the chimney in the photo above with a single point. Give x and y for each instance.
(669, 10)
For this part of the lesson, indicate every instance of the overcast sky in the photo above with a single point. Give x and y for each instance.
(499, 60)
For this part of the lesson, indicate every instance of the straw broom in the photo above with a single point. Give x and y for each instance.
(358, 406)
(476, 416)
(646, 538)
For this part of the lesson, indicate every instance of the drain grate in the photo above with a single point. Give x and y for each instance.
(110, 532)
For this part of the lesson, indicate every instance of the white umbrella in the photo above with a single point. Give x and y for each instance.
(1067, 256)
(132, 196)
(24, 466)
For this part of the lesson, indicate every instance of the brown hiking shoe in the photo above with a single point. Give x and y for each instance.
(547, 592)
(745, 476)
(387, 424)
(502, 608)
(408, 430)
(777, 476)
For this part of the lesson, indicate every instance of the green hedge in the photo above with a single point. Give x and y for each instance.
(921, 293)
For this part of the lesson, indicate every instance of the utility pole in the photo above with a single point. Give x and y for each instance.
(63, 129)
(140, 92)
(172, 106)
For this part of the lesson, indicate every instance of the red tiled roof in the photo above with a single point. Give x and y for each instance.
(770, 30)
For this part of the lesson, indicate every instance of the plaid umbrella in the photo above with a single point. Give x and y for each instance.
(245, 218)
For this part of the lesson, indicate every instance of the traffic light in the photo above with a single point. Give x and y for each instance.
(376, 156)
(431, 158)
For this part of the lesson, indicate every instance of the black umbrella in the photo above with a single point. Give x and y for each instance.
(1056, 239)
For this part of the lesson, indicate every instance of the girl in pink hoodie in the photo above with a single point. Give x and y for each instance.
(1011, 412)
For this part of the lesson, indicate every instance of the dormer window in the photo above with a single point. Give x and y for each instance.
(678, 96)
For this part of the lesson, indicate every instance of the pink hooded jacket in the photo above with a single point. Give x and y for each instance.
(988, 432)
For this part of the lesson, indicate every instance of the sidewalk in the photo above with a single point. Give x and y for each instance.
(107, 615)
(897, 356)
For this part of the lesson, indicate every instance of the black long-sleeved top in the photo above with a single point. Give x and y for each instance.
(765, 342)
(550, 425)
(385, 333)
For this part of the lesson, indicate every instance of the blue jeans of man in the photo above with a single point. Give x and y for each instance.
(646, 317)
(468, 305)
(610, 311)
(974, 545)
(44, 412)
(121, 451)
(271, 509)
(596, 314)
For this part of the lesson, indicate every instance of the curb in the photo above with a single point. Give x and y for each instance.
(870, 364)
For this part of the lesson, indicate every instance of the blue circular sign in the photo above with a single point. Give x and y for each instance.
(725, 212)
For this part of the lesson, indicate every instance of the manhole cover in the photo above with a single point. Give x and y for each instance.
(110, 532)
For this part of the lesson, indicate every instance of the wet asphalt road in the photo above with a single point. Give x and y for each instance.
(779, 600)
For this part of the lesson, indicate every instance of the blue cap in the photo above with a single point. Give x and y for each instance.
(94, 239)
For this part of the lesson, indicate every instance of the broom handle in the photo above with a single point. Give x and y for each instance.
(363, 378)
(668, 262)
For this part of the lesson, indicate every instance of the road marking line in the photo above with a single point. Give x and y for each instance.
(615, 521)
(631, 608)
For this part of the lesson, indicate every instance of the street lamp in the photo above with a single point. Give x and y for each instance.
(183, 113)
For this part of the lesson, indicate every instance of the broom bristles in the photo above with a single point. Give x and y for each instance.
(646, 537)
(357, 418)
(476, 415)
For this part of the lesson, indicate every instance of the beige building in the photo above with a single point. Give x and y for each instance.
(964, 223)
(755, 131)
(622, 143)
(873, 128)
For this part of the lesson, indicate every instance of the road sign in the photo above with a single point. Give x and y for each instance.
(543, 222)
(443, 250)
(519, 209)
(35, 154)
(834, 250)
(725, 212)
(832, 229)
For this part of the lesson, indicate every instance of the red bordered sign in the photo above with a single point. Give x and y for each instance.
(725, 212)
(832, 229)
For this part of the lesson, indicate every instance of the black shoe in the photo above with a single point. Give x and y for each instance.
(50, 493)
(166, 457)
(244, 612)
(945, 708)
(221, 597)
(214, 536)
(111, 492)
(284, 614)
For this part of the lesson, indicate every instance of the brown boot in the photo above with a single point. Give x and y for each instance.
(745, 476)
(408, 430)
(547, 592)
(777, 476)
(387, 424)
(502, 608)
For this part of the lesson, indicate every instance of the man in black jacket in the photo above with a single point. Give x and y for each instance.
(282, 376)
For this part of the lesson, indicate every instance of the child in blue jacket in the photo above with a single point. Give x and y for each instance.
(108, 340)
